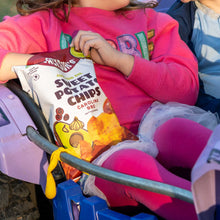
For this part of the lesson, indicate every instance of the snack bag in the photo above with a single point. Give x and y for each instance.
(63, 83)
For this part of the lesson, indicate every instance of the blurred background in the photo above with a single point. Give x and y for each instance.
(7, 7)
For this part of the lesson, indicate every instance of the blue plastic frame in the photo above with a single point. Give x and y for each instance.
(71, 204)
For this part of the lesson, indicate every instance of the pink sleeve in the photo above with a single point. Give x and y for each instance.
(23, 34)
(28, 34)
(172, 72)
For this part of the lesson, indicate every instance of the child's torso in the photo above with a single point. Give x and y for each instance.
(126, 32)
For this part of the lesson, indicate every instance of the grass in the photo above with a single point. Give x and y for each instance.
(7, 7)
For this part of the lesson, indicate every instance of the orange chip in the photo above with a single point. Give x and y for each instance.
(105, 129)
(86, 150)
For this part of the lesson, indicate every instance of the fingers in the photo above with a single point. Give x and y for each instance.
(85, 40)
(80, 38)
(96, 47)
(86, 46)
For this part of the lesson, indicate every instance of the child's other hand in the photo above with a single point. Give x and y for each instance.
(10, 60)
(101, 52)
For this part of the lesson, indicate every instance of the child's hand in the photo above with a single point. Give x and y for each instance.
(94, 45)
(102, 52)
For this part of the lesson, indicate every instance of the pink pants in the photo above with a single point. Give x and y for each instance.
(180, 141)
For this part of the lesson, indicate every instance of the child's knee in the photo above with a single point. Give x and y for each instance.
(180, 128)
(173, 124)
(175, 140)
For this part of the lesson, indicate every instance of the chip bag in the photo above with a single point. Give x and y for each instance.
(64, 84)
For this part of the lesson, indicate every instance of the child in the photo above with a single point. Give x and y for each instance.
(139, 58)
(199, 28)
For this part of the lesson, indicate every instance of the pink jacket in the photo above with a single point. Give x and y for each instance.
(170, 75)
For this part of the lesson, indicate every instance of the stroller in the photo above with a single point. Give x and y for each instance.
(27, 127)
(23, 124)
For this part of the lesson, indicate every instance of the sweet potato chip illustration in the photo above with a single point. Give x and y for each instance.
(73, 136)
